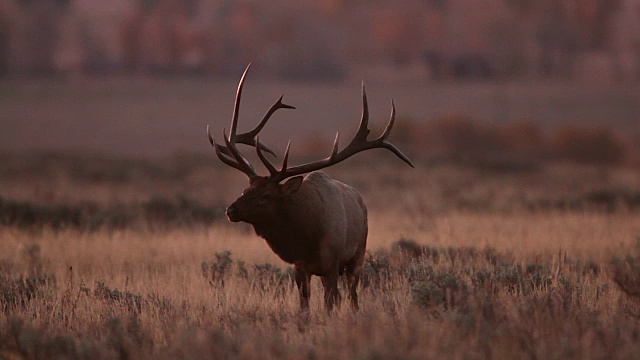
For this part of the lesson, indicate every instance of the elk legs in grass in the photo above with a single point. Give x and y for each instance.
(303, 283)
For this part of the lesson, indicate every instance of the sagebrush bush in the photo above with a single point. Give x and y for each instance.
(626, 275)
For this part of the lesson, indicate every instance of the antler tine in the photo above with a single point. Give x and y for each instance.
(223, 157)
(213, 143)
(248, 138)
(334, 151)
(278, 105)
(285, 159)
(230, 149)
(263, 158)
(392, 120)
(398, 153)
(385, 135)
(241, 163)
(363, 128)
(236, 107)
(218, 147)
(358, 143)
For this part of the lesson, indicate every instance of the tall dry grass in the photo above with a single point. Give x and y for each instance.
(143, 294)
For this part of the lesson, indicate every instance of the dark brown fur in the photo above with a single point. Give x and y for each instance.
(318, 224)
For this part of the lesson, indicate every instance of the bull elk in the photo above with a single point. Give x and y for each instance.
(314, 222)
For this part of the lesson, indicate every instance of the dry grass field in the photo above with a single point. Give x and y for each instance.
(112, 258)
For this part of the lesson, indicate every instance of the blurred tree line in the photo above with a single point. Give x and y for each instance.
(320, 39)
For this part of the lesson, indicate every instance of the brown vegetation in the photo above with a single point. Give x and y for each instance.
(474, 274)
(451, 301)
(595, 145)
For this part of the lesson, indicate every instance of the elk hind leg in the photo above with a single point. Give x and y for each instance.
(352, 273)
(353, 268)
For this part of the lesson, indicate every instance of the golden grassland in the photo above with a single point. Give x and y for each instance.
(463, 264)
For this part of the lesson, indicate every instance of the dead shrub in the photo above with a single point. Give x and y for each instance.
(267, 276)
(515, 146)
(407, 247)
(19, 292)
(612, 199)
(161, 212)
(460, 139)
(626, 275)
(442, 288)
(216, 271)
(157, 213)
(596, 145)
(132, 302)
(523, 140)
(376, 269)
(466, 141)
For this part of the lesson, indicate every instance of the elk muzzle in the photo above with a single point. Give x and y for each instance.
(232, 213)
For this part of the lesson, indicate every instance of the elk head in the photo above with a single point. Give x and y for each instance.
(261, 201)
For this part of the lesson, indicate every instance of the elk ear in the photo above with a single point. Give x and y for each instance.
(292, 185)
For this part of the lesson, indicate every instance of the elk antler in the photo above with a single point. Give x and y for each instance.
(224, 153)
(358, 143)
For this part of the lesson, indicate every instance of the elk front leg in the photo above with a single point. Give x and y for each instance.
(331, 293)
(302, 281)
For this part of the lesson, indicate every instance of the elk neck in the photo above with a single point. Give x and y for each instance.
(295, 231)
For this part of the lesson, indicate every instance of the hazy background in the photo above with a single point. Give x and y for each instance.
(143, 78)
(517, 232)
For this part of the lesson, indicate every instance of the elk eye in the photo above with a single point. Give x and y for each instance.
(266, 196)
